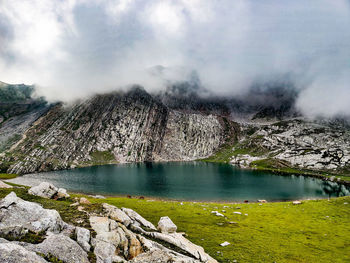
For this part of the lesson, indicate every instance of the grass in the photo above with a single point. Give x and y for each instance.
(272, 232)
(7, 176)
(315, 231)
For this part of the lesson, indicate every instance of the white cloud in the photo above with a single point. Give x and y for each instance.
(72, 48)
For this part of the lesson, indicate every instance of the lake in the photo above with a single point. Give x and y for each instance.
(187, 181)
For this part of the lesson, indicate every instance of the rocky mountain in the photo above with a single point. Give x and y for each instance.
(115, 127)
(261, 129)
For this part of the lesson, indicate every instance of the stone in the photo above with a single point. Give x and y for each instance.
(158, 256)
(137, 218)
(4, 185)
(45, 190)
(217, 213)
(262, 201)
(225, 244)
(237, 213)
(182, 243)
(83, 238)
(62, 193)
(14, 253)
(84, 201)
(296, 202)
(16, 213)
(63, 248)
(116, 214)
(165, 225)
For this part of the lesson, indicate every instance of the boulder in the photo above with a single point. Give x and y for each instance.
(156, 256)
(296, 202)
(45, 190)
(117, 236)
(61, 247)
(3, 185)
(83, 238)
(14, 253)
(182, 244)
(62, 193)
(16, 213)
(165, 225)
(138, 219)
(116, 214)
(84, 201)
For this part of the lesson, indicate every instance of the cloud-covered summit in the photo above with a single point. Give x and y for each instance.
(74, 48)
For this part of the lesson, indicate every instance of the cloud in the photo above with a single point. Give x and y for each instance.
(74, 48)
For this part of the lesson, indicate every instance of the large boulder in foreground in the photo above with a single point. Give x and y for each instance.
(61, 247)
(17, 215)
(47, 190)
(165, 225)
(13, 253)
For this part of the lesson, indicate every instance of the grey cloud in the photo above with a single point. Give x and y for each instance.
(98, 45)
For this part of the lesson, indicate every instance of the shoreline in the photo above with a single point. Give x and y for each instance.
(165, 199)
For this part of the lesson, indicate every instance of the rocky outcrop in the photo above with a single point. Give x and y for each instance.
(13, 253)
(47, 190)
(296, 143)
(119, 235)
(117, 127)
(19, 216)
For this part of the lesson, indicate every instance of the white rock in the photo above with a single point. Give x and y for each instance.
(165, 225)
(83, 238)
(225, 244)
(13, 253)
(3, 185)
(296, 202)
(237, 213)
(15, 213)
(45, 190)
(62, 193)
(136, 217)
(117, 214)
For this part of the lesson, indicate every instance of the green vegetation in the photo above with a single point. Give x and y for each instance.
(315, 231)
(10, 141)
(7, 176)
(102, 157)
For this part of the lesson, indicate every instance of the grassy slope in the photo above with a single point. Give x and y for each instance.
(271, 232)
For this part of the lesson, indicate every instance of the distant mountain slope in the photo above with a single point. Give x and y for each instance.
(18, 110)
(116, 127)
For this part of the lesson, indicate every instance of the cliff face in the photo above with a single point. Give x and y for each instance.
(111, 128)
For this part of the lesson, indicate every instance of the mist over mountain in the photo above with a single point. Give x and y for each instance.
(75, 48)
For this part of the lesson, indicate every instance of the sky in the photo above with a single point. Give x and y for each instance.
(75, 48)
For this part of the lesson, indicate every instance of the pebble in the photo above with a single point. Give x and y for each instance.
(225, 244)
(237, 213)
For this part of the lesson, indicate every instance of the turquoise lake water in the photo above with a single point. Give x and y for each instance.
(188, 181)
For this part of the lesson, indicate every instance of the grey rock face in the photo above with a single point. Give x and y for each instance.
(299, 143)
(138, 219)
(83, 238)
(157, 256)
(13, 253)
(165, 225)
(132, 127)
(16, 213)
(63, 248)
(117, 214)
